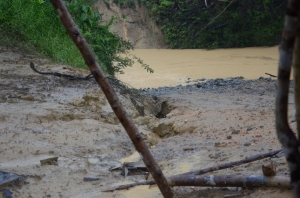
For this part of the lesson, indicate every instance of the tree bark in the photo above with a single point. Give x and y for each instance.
(112, 98)
(284, 132)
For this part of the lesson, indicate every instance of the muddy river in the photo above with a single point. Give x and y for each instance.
(174, 67)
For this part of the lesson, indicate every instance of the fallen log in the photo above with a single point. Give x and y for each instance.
(224, 181)
(203, 171)
(232, 181)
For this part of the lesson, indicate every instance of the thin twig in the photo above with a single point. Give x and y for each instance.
(112, 98)
(271, 75)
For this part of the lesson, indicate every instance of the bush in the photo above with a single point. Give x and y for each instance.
(245, 23)
(35, 24)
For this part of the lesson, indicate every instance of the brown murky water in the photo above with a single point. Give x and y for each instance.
(173, 67)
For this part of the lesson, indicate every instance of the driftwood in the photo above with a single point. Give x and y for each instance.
(285, 135)
(203, 171)
(233, 181)
(112, 98)
(226, 181)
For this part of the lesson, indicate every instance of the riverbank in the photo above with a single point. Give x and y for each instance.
(208, 123)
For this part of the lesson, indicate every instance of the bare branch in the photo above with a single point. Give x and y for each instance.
(112, 98)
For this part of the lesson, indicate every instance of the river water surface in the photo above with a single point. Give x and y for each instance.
(174, 67)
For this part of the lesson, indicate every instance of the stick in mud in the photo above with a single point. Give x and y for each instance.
(112, 97)
(183, 176)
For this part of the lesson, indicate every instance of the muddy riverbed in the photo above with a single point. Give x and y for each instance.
(219, 120)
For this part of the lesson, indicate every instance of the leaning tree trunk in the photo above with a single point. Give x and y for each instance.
(112, 98)
(285, 135)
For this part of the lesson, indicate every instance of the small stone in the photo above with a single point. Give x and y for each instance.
(235, 131)
(188, 149)
(220, 144)
(249, 129)
(247, 144)
(229, 137)
(161, 130)
(48, 195)
(28, 97)
(269, 169)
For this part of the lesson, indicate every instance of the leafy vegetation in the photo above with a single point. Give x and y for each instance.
(125, 3)
(218, 24)
(34, 24)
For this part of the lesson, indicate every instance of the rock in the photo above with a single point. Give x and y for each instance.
(247, 144)
(269, 169)
(49, 161)
(229, 137)
(249, 129)
(220, 144)
(93, 160)
(7, 193)
(188, 149)
(91, 178)
(77, 102)
(235, 131)
(161, 130)
(28, 97)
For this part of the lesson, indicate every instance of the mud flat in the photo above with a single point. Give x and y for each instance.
(208, 122)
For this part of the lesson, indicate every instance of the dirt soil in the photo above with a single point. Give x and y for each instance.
(47, 116)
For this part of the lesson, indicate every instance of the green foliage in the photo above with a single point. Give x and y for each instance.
(191, 24)
(35, 24)
(125, 3)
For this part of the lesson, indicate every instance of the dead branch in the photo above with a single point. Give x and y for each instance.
(232, 181)
(284, 133)
(69, 76)
(226, 181)
(271, 75)
(205, 170)
(112, 98)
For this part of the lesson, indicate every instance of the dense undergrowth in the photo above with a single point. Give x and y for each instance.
(34, 25)
(218, 24)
